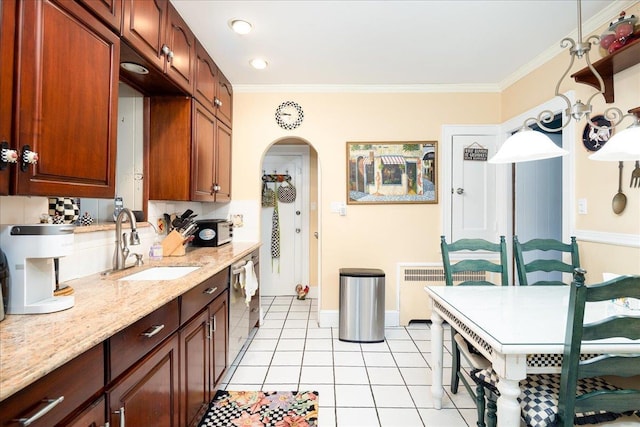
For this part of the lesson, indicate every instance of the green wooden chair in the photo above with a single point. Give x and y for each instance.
(581, 393)
(472, 271)
(551, 247)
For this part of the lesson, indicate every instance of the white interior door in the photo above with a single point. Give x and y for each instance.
(279, 276)
(473, 190)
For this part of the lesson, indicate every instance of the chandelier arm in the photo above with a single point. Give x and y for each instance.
(614, 115)
(566, 42)
(595, 72)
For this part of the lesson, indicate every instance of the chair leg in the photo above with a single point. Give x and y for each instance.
(455, 365)
(492, 408)
(480, 405)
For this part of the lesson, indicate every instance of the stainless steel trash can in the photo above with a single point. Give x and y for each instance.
(361, 313)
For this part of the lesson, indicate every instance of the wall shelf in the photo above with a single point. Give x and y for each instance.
(626, 57)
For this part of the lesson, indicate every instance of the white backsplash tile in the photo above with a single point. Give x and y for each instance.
(93, 251)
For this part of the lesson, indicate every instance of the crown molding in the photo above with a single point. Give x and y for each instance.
(418, 88)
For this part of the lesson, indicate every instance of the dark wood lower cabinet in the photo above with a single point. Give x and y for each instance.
(219, 312)
(203, 352)
(93, 416)
(194, 382)
(147, 395)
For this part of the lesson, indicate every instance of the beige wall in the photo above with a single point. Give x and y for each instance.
(597, 182)
(371, 236)
(380, 236)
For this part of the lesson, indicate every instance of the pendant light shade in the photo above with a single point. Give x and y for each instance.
(624, 145)
(527, 145)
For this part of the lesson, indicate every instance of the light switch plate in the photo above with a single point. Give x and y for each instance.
(582, 206)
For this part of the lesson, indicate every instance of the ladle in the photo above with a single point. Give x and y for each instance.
(619, 201)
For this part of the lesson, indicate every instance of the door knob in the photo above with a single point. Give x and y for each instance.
(459, 190)
(297, 230)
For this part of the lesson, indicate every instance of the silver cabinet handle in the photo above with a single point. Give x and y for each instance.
(459, 190)
(121, 412)
(52, 403)
(209, 330)
(213, 324)
(210, 291)
(152, 331)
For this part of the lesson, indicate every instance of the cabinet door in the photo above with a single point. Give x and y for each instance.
(206, 79)
(144, 28)
(203, 154)
(149, 391)
(110, 11)
(66, 104)
(170, 149)
(182, 44)
(195, 340)
(223, 163)
(7, 31)
(224, 95)
(93, 416)
(219, 312)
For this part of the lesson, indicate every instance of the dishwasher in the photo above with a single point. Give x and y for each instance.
(243, 317)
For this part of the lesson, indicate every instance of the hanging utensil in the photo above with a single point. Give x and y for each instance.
(619, 201)
(635, 176)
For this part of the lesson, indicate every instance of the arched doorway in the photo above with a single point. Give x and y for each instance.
(289, 252)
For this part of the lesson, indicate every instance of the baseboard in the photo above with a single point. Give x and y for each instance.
(331, 318)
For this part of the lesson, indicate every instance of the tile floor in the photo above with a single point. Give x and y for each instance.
(361, 384)
(384, 384)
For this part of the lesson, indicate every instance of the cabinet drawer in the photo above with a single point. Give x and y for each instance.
(197, 298)
(71, 385)
(130, 344)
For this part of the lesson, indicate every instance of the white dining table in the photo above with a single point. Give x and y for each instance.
(520, 329)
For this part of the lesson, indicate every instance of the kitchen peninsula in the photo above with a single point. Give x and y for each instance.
(35, 345)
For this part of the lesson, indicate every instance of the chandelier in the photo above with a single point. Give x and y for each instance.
(528, 144)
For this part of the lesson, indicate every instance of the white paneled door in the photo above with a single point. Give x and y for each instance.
(281, 269)
(473, 190)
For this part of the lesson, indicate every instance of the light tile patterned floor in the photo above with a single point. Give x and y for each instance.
(361, 384)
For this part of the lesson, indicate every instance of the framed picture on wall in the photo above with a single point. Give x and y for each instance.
(392, 172)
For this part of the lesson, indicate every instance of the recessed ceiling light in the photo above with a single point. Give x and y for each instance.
(240, 26)
(134, 68)
(258, 63)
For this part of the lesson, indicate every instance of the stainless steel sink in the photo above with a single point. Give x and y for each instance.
(161, 273)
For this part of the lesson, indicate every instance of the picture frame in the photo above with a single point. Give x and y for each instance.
(392, 172)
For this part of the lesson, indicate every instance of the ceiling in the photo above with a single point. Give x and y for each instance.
(473, 43)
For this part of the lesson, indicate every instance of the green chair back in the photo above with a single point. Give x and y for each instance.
(546, 265)
(623, 365)
(475, 264)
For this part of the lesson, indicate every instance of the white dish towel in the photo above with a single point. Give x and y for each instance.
(251, 282)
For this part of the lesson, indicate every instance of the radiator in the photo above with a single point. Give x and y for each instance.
(415, 304)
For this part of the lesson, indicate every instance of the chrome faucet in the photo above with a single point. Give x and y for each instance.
(121, 251)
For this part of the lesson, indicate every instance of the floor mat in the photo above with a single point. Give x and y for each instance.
(262, 408)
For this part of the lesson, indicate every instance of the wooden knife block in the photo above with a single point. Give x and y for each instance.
(173, 245)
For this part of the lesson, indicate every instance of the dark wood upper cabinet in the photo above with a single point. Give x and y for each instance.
(156, 31)
(144, 26)
(212, 88)
(182, 57)
(206, 78)
(66, 104)
(224, 95)
(7, 31)
(189, 152)
(109, 11)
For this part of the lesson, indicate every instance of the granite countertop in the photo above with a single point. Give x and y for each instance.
(33, 345)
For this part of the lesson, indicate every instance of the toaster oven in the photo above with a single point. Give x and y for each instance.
(213, 232)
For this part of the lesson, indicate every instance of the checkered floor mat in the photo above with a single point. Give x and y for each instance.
(268, 408)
